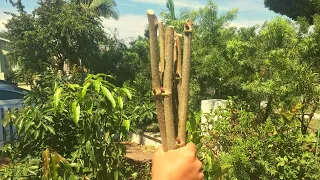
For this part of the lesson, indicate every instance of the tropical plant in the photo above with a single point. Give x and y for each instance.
(105, 8)
(275, 149)
(73, 127)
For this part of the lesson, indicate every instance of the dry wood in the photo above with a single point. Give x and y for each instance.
(175, 48)
(179, 56)
(162, 49)
(184, 88)
(168, 81)
(177, 81)
(154, 56)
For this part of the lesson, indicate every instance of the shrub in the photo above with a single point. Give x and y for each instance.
(70, 128)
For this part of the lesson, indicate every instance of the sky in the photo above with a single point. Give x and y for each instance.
(133, 18)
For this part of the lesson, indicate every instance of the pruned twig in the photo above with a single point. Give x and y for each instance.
(184, 88)
(154, 55)
(162, 49)
(168, 81)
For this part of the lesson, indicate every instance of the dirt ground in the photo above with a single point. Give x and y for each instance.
(4, 162)
(135, 152)
(138, 152)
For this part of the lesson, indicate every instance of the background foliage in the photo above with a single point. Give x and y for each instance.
(269, 74)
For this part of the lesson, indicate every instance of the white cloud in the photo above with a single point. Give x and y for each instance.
(245, 23)
(237, 25)
(243, 5)
(180, 3)
(128, 25)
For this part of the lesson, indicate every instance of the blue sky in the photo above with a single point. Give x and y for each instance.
(133, 18)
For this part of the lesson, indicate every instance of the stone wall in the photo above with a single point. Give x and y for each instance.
(210, 105)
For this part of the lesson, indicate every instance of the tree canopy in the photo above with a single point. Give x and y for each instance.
(294, 8)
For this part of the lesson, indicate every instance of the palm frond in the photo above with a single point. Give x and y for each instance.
(105, 8)
(171, 9)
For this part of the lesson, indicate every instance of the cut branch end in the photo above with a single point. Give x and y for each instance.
(150, 12)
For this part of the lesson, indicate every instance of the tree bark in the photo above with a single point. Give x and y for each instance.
(162, 49)
(154, 56)
(168, 81)
(179, 56)
(184, 89)
(177, 81)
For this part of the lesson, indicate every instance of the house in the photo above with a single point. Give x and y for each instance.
(4, 65)
(9, 91)
(11, 97)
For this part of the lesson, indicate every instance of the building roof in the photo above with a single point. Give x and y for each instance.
(11, 87)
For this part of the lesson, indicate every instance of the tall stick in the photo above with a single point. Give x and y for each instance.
(184, 89)
(168, 77)
(154, 55)
(176, 81)
(179, 56)
(162, 49)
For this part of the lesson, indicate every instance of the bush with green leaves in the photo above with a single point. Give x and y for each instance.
(275, 149)
(213, 167)
(70, 128)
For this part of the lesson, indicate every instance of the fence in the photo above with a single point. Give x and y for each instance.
(8, 133)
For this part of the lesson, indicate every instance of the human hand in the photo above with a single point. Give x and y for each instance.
(178, 164)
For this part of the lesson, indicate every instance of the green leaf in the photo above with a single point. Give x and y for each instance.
(127, 92)
(89, 76)
(90, 109)
(73, 86)
(36, 134)
(120, 102)
(56, 98)
(76, 112)
(51, 129)
(88, 146)
(108, 94)
(193, 124)
(134, 175)
(126, 124)
(84, 90)
(97, 84)
(116, 175)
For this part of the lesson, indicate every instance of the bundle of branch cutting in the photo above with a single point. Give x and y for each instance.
(170, 79)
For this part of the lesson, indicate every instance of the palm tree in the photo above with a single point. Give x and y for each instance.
(171, 10)
(184, 13)
(105, 8)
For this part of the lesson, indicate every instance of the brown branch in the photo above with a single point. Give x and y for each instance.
(168, 77)
(177, 81)
(184, 90)
(154, 56)
(162, 49)
(179, 56)
(175, 48)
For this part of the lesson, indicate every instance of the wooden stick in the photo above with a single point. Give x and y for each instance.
(179, 56)
(177, 82)
(162, 49)
(154, 56)
(184, 91)
(175, 48)
(175, 85)
(168, 78)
